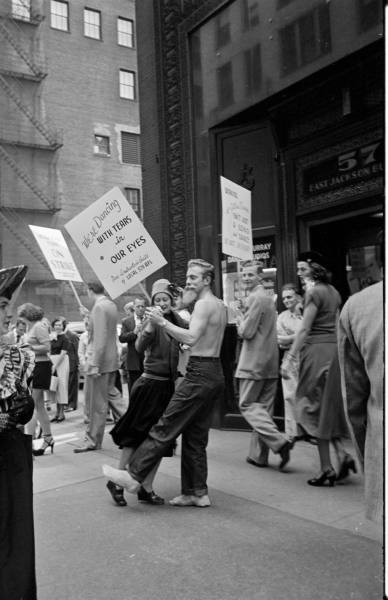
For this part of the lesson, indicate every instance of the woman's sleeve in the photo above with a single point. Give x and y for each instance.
(144, 340)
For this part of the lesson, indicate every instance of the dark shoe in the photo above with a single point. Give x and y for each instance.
(348, 464)
(328, 475)
(117, 493)
(250, 461)
(42, 450)
(69, 409)
(149, 497)
(60, 419)
(84, 449)
(54, 419)
(285, 454)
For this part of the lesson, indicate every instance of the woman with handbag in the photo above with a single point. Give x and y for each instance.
(38, 340)
(60, 367)
(17, 554)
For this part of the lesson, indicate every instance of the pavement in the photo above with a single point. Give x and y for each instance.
(267, 536)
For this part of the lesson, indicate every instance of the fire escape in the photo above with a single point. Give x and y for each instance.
(22, 65)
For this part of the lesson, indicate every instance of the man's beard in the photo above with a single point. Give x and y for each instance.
(188, 297)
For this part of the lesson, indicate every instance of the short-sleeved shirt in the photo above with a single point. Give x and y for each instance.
(59, 344)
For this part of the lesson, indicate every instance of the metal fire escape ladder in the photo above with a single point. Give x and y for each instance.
(36, 69)
(16, 225)
(46, 133)
(27, 179)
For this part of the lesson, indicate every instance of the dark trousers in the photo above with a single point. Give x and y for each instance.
(73, 389)
(188, 413)
(132, 376)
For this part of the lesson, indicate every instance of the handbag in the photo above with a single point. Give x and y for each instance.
(20, 405)
(54, 382)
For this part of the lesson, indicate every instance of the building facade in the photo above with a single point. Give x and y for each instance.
(284, 97)
(70, 127)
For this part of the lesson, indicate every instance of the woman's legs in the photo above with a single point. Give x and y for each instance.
(324, 454)
(41, 415)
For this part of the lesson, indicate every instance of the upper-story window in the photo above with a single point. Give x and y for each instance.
(59, 15)
(133, 198)
(92, 23)
(21, 9)
(130, 148)
(101, 145)
(127, 84)
(222, 24)
(125, 32)
(250, 13)
(306, 39)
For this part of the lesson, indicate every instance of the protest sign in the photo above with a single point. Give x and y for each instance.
(236, 220)
(115, 243)
(55, 250)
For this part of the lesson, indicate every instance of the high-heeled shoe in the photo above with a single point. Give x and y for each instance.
(42, 450)
(328, 475)
(348, 464)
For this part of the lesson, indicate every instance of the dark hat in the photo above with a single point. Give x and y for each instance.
(311, 256)
(10, 279)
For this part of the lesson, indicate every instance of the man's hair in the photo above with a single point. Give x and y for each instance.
(253, 263)
(31, 312)
(207, 268)
(59, 320)
(142, 299)
(96, 287)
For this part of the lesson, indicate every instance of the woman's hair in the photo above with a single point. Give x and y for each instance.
(96, 287)
(319, 273)
(31, 312)
(59, 320)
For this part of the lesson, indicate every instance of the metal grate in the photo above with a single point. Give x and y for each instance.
(130, 148)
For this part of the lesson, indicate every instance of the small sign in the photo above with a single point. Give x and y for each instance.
(55, 250)
(115, 242)
(236, 220)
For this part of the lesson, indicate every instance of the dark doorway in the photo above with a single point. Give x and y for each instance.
(352, 246)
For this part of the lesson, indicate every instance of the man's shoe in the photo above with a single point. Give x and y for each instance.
(117, 493)
(185, 500)
(149, 497)
(121, 478)
(285, 454)
(250, 461)
(84, 449)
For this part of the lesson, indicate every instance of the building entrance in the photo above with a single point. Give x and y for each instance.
(352, 245)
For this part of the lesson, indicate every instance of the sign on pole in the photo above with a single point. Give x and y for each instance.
(115, 242)
(55, 250)
(236, 220)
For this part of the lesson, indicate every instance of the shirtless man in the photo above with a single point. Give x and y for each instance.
(190, 408)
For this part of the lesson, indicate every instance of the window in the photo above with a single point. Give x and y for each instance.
(21, 9)
(92, 23)
(225, 85)
(222, 25)
(250, 13)
(133, 197)
(253, 73)
(102, 145)
(125, 32)
(130, 148)
(306, 39)
(369, 14)
(59, 15)
(127, 84)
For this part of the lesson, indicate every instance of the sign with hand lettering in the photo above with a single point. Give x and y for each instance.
(115, 242)
(55, 250)
(236, 220)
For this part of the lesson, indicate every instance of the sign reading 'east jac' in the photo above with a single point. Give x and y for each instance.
(342, 170)
(115, 243)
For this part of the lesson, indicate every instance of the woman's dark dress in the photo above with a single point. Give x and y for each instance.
(150, 397)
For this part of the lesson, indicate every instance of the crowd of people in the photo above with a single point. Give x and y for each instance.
(330, 362)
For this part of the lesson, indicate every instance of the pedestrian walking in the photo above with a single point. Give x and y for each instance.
(102, 364)
(59, 357)
(258, 370)
(361, 352)
(72, 351)
(190, 408)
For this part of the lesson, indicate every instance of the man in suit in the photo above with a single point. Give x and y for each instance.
(18, 334)
(257, 370)
(130, 326)
(102, 364)
(72, 352)
(361, 350)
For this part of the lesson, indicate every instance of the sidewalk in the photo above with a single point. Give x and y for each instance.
(268, 535)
